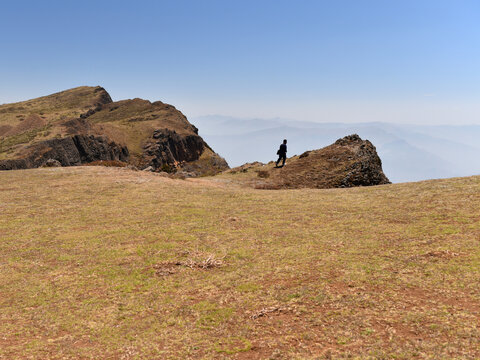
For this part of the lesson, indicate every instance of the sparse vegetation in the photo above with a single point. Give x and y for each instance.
(107, 163)
(378, 272)
(7, 143)
(49, 114)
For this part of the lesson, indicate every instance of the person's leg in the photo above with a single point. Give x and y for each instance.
(279, 158)
(284, 158)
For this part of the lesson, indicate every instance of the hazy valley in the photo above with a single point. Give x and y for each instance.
(408, 152)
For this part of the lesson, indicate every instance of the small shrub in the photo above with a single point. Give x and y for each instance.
(167, 168)
(233, 345)
(304, 155)
(263, 174)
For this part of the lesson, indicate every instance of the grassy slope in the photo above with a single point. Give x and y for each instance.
(40, 119)
(67, 103)
(87, 268)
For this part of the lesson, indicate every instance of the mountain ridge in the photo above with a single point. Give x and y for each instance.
(35, 130)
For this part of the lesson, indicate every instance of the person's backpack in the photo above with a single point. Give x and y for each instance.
(278, 152)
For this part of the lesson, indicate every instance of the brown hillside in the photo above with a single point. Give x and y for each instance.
(348, 162)
(83, 125)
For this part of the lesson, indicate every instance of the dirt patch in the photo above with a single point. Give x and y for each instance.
(263, 174)
(444, 254)
(195, 263)
(4, 129)
(270, 310)
(435, 256)
(33, 121)
(107, 163)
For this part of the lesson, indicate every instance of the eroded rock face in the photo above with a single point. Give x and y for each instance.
(52, 163)
(367, 169)
(69, 151)
(92, 148)
(167, 148)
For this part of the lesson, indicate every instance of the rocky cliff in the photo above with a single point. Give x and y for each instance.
(68, 151)
(84, 125)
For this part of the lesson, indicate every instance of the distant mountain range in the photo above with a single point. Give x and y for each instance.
(408, 152)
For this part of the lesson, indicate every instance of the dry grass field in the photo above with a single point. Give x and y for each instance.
(108, 263)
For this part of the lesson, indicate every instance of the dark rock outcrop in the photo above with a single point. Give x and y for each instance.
(104, 96)
(168, 149)
(366, 170)
(52, 163)
(92, 148)
(14, 164)
(69, 151)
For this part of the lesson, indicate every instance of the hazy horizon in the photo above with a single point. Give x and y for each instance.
(408, 152)
(359, 118)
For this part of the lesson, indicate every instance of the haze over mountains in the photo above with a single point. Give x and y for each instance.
(408, 152)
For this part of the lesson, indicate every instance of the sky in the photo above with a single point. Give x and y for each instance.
(403, 61)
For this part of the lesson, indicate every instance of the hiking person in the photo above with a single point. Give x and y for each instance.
(282, 153)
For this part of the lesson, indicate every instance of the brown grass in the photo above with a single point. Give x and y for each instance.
(43, 118)
(107, 163)
(389, 272)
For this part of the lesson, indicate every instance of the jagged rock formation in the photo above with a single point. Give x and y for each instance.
(69, 151)
(84, 125)
(348, 162)
(52, 163)
(366, 169)
(167, 148)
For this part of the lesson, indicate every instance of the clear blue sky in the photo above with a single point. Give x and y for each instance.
(414, 61)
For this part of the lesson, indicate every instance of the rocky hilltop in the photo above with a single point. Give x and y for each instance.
(348, 162)
(84, 125)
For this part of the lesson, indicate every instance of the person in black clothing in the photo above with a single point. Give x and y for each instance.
(282, 153)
